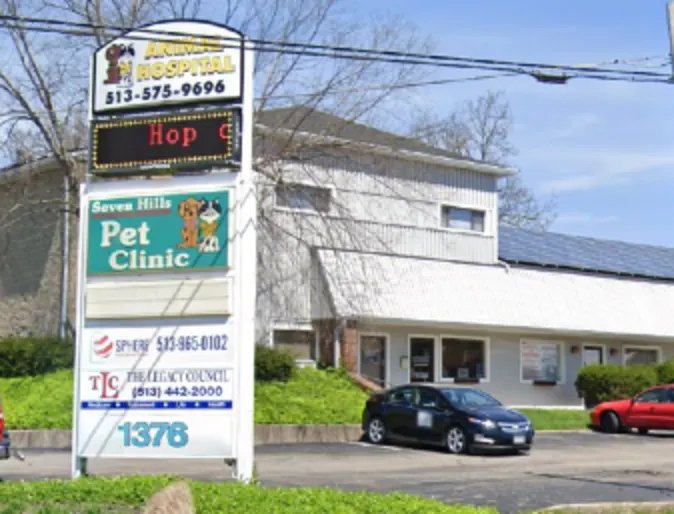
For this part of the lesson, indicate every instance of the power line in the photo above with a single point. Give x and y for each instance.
(363, 54)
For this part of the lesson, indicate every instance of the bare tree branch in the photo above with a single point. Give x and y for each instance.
(44, 82)
(481, 129)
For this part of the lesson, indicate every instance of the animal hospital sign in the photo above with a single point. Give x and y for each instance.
(175, 62)
(163, 233)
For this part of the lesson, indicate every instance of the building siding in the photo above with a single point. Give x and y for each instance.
(31, 253)
(504, 362)
(379, 205)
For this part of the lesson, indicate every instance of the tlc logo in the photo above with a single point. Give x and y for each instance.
(106, 384)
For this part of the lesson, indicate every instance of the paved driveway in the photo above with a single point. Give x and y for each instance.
(562, 468)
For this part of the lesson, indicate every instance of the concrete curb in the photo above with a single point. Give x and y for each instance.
(264, 434)
(612, 506)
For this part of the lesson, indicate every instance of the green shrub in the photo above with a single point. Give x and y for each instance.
(45, 401)
(273, 365)
(665, 372)
(311, 397)
(598, 383)
(128, 494)
(31, 356)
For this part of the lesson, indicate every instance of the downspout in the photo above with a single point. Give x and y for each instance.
(337, 344)
(65, 258)
(505, 265)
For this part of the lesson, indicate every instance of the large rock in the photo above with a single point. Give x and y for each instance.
(175, 498)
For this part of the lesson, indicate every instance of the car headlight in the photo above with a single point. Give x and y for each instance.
(486, 423)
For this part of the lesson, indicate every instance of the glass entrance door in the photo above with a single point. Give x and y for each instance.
(593, 355)
(422, 359)
(372, 359)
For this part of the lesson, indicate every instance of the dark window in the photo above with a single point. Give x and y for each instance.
(300, 343)
(635, 356)
(463, 359)
(428, 398)
(652, 396)
(469, 397)
(464, 219)
(407, 395)
(670, 395)
(300, 196)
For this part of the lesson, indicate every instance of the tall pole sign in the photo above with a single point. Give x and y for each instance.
(167, 268)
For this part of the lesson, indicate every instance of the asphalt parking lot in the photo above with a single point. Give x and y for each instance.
(562, 468)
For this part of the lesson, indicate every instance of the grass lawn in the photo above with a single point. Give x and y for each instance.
(129, 494)
(311, 397)
(549, 419)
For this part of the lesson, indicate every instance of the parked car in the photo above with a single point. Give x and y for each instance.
(456, 418)
(4, 437)
(652, 409)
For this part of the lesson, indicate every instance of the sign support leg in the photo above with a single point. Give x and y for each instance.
(246, 282)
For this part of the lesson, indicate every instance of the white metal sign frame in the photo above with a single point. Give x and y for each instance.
(238, 380)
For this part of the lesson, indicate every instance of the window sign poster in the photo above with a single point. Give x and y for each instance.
(540, 361)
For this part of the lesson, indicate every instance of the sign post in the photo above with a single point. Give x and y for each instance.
(167, 269)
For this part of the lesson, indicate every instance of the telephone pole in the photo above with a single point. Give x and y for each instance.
(670, 27)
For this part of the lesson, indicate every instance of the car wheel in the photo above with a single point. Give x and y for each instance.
(376, 431)
(456, 440)
(643, 431)
(610, 422)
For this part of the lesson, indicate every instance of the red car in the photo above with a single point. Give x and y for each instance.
(652, 409)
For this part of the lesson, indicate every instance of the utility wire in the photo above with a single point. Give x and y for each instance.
(503, 70)
(355, 53)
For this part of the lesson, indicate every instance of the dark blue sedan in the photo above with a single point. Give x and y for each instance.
(457, 418)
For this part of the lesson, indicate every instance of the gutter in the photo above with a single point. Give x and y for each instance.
(65, 258)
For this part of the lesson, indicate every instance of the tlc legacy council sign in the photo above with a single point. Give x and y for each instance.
(168, 63)
(148, 392)
(159, 233)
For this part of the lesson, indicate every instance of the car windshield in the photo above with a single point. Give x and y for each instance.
(470, 398)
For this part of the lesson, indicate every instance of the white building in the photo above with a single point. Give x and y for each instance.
(386, 255)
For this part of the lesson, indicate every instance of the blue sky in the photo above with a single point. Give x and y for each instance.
(605, 150)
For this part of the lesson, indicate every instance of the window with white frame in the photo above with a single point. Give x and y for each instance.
(300, 343)
(304, 197)
(463, 219)
(635, 355)
(463, 358)
(541, 361)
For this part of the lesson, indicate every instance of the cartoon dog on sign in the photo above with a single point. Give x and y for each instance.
(209, 217)
(188, 210)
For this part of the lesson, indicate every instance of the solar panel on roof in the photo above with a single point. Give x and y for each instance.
(552, 249)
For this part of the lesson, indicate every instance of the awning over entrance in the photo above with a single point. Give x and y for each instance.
(422, 291)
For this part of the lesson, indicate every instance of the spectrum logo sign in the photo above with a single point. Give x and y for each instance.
(105, 345)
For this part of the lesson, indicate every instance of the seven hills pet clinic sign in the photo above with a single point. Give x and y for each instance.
(168, 63)
(159, 233)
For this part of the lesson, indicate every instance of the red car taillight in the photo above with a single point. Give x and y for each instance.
(2, 421)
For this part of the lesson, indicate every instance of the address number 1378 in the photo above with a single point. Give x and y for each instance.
(154, 434)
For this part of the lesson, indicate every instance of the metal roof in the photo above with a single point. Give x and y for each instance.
(550, 249)
(386, 288)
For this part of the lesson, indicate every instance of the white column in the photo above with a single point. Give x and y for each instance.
(246, 282)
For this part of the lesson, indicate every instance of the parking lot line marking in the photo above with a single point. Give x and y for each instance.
(381, 447)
